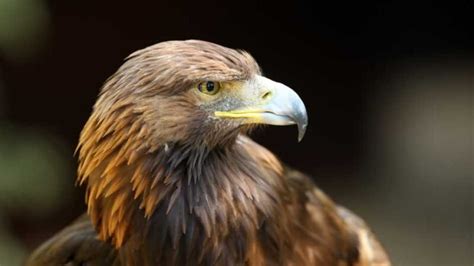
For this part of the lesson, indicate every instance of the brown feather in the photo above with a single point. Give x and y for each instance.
(167, 186)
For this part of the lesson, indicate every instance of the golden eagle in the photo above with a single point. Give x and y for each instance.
(173, 179)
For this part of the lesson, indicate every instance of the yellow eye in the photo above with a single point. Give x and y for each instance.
(209, 87)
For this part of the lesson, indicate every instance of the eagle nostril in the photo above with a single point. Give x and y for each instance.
(266, 95)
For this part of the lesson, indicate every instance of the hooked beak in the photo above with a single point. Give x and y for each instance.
(271, 103)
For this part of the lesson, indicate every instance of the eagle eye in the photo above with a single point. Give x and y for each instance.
(209, 87)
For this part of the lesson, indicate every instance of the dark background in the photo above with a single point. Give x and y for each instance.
(387, 86)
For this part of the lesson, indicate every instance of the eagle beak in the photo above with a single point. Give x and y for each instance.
(272, 103)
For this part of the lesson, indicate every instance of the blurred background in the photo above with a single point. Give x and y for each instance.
(388, 86)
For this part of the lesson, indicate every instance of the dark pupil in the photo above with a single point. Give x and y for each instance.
(210, 86)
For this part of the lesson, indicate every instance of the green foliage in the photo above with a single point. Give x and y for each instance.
(34, 175)
(35, 179)
(24, 27)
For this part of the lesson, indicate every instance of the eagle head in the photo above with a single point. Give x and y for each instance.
(199, 93)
